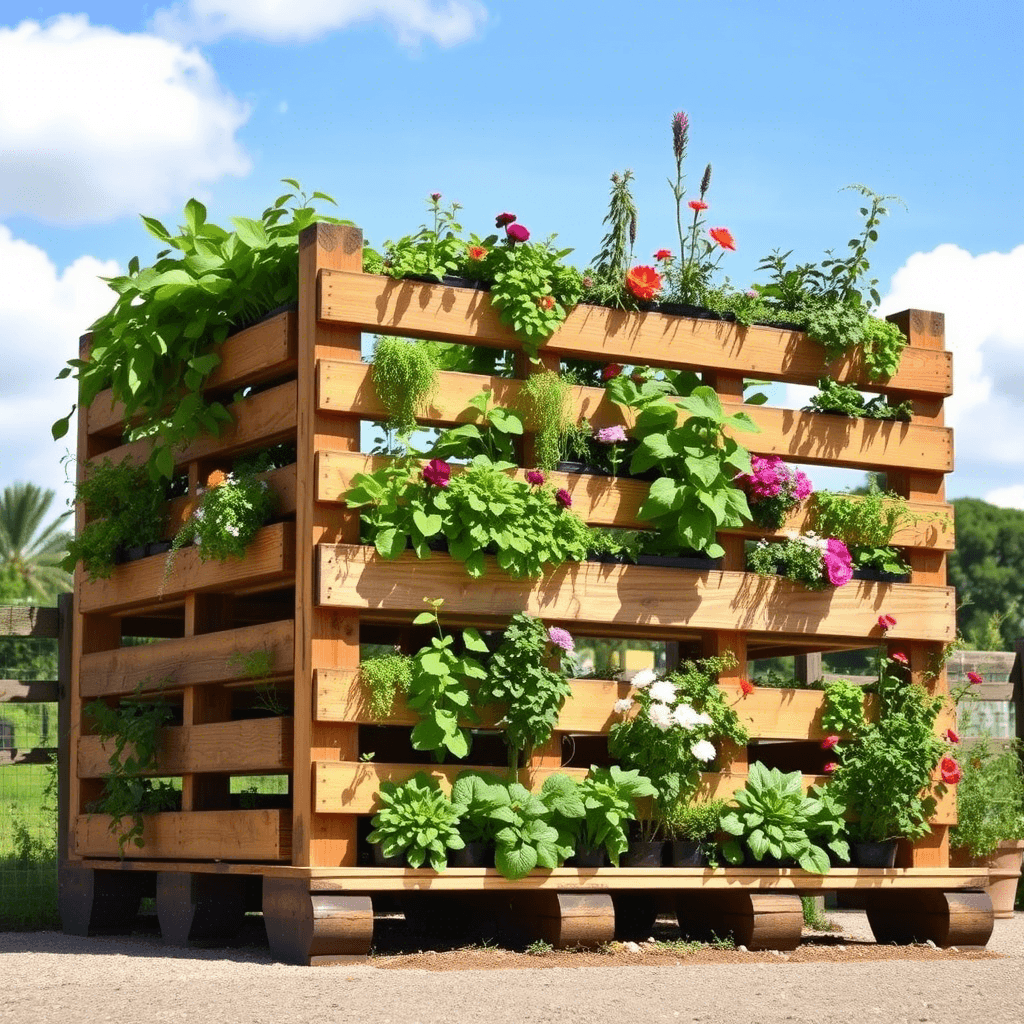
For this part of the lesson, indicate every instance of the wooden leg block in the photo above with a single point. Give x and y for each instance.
(315, 928)
(565, 920)
(756, 920)
(199, 907)
(945, 918)
(635, 914)
(95, 902)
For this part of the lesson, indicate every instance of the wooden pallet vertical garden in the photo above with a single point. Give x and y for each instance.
(309, 593)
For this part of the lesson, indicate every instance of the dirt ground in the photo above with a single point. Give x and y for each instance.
(47, 977)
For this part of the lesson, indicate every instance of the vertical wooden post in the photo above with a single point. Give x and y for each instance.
(323, 638)
(731, 756)
(65, 617)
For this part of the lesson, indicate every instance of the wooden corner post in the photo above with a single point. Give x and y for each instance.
(324, 637)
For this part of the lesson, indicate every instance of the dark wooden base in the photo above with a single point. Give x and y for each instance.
(635, 914)
(311, 928)
(97, 902)
(564, 920)
(757, 920)
(945, 918)
(199, 907)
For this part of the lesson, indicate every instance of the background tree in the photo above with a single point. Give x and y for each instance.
(31, 549)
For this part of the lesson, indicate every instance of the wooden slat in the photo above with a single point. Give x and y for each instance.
(270, 558)
(349, 788)
(266, 351)
(634, 600)
(189, 661)
(605, 501)
(200, 835)
(38, 691)
(804, 437)
(37, 755)
(437, 311)
(24, 620)
(248, 747)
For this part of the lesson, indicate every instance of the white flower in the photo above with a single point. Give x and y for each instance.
(660, 716)
(703, 751)
(704, 719)
(264, 485)
(663, 691)
(622, 706)
(233, 530)
(198, 514)
(685, 717)
(644, 678)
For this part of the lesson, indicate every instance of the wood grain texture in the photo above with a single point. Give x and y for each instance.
(269, 559)
(805, 437)
(634, 600)
(19, 620)
(199, 835)
(609, 501)
(438, 311)
(756, 920)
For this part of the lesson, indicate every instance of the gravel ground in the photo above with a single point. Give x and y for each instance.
(49, 977)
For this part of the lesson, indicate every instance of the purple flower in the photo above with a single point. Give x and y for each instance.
(562, 638)
(517, 233)
(563, 497)
(437, 473)
(611, 435)
(680, 127)
(535, 477)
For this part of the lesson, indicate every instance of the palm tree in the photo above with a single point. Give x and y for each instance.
(31, 553)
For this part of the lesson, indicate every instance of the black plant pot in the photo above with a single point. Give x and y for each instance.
(686, 853)
(874, 855)
(270, 314)
(644, 853)
(880, 575)
(158, 547)
(450, 281)
(380, 861)
(694, 561)
(695, 312)
(607, 558)
(472, 855)
(589, 856)
(580, 468)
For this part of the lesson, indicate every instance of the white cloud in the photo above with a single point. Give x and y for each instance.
(1007, 497)
(446, 22)
(97, 124)
(43, 312)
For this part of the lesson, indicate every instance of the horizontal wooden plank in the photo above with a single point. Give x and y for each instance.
(349, 787)
(608, 501)
(38, 691)
(270, 558)
(247, 747)
(258, 421)
(265, 351)
(631, 600)
(199, 835)
(189, 661)
(26, 620)
(462, 314)
(803, 437)
(992, 666)
(37, 755)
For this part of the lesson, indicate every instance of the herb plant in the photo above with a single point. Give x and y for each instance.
(843, 712)
(845, 400)
(989, 798)
(433, 251)
(384, 677)
(495, 437)
(547, 396)
(694, 823)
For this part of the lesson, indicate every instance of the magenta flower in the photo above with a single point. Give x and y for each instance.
(562, 638)
(952, 736)
(517, 233)
(504, 219)
(802, 488)
(611, 435)
(437, 473)
(901, 658)
(535, 477)
(563, 497)
(838, 563)
(435, 196)
(886, 622)
(974, 679)
(829, 742)
(830, 767)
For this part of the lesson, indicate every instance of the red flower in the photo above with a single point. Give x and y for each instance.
(437, 473)
(546, 302)
(952, 736)
(950, 771)
(830, 767)
(643, 282)
(901, 658)
(504, 219)
(611, 371)
(974, 679)
(886, 622)
(698, 205)
(663, 254)
(747, 687)
(477, 252)
(517, 232)
(535, 477)
(723, 236)
(563, 497)
(829, 742)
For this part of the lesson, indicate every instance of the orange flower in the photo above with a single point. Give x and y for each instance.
(477, 252)
(643, 282)
(723, 236)
(747, 687)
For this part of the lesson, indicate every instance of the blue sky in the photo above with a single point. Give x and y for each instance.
(108, 110)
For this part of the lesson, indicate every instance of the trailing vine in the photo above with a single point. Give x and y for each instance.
(404, 376)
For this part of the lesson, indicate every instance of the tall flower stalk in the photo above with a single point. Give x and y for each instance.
(680, 136)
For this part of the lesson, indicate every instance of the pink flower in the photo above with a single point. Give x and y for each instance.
(437, 473)
(563, 497)
(886, 622)
(802, 488)
(517, 233)
(663, 254)
(838, 563)
(561, 638)
(950, 771)
(611, 435)
(435, 196)
(830, 767)
(535, 477)
(504, 219)
(611, 371)
(974, 679)
(952, 736)
(697, 205)
(747, 687)
(901, 658)
(829, 742)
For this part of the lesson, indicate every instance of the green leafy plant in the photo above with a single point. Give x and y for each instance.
(479, 793)
(844, 708)
(609, 798)
(495, 437)
(417, 819)
(845, 400)
(696, 823)
(259, 664)
(433, 251)
(547, 396)
(528, 678)
(771, 815)
(525, 839)
(385, 676)
(827, 826)
(605, 281)
(134, 727)
(989, 798)
(815, 562)
(158, 344)
(404, 376)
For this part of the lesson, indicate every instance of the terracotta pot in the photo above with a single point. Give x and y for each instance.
(1004, 867)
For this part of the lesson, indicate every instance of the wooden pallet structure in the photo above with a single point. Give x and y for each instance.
(309, 594)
